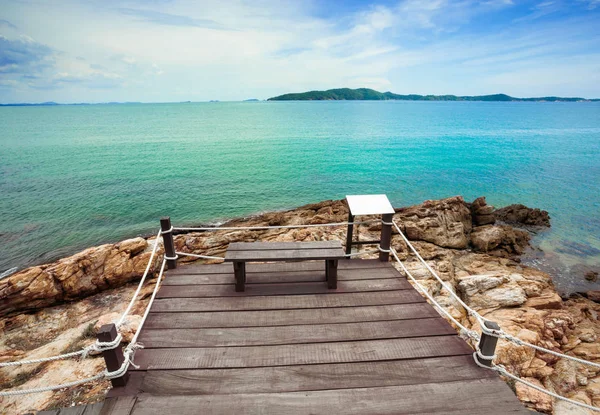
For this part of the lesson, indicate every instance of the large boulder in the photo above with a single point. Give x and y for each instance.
(446, 223)
(503, 241)
(522, 215)
(85, 273)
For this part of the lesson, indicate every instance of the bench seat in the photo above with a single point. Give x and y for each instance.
(241, 252)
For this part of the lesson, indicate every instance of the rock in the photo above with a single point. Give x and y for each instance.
(502, 241)
(489, 291)
(482, 213)
(446, 223)
(549, 301)
(475, 284)
(593, 295)
(85, 273)
(566, 408)
(591, 276)
(132, 246)
(564, 377)
(533, 398)
(522, 215)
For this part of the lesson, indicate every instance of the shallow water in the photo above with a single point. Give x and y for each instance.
(76, 176)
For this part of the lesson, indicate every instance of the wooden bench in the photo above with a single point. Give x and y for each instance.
(241, 252)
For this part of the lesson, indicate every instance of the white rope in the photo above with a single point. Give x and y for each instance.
(502, 370)
(199, 256)
(128, 354)
(464, 330)
(248, 228)
(44, 359)
(167, 231)
(96, 347)
(171, 258)
(520, 342)
(52, 388)
(472, 312)
(137, 291)
(481, 320)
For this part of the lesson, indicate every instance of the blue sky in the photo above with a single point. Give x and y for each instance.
(175, 50)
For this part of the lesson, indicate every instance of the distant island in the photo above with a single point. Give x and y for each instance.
(252, 100)
(366, 94)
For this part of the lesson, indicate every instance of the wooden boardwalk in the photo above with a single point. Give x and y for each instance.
(288, 345)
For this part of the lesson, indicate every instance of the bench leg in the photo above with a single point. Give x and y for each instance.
(239, 269)
(331, 272)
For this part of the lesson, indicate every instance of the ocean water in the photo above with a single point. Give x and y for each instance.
(77, 176)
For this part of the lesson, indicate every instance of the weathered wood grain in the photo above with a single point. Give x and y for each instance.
(201, 269)
(301, 354)
(121, 405)
(269, 318)
(270, 246)
(93, 409)
(312, 377)
(220, 290)
(480, 396)
(315, 333)
(283, 302)
(284, 255)
(281, 277)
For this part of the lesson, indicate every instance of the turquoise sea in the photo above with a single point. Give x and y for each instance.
(76, 176)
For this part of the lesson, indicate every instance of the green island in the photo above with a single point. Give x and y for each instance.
(366, 94)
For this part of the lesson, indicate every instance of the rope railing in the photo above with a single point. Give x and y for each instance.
(469, 333)
(491, 332)
(98, 346)
(472, 334)
(119, 322)
(128, 354)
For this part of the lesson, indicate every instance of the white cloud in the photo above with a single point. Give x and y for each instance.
(181, 49)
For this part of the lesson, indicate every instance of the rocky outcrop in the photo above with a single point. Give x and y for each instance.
(522, 215)
(446, 223)
(500, 240)
(85, 273)
(476, 262)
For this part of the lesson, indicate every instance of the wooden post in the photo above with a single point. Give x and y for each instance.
(487, 344)
(114, 357)
(331, 272)
(386, 236)
(239, 270)
(165, 225)
(349, 234)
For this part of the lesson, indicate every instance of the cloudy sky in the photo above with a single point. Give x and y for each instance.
(179, 50)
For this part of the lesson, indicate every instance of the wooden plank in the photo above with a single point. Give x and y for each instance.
(286, 302)
(266, 246)
(479, 396)
(284, 255)
(301, 354)
(281, 277)
(312, 377)
(121, 405)
(183, 291)
(198, 268)
(50, 412)
(73, 410)
(94, 409)
(315, 333)
(270, 318)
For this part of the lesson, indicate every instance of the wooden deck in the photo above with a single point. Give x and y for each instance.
(288, 345)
